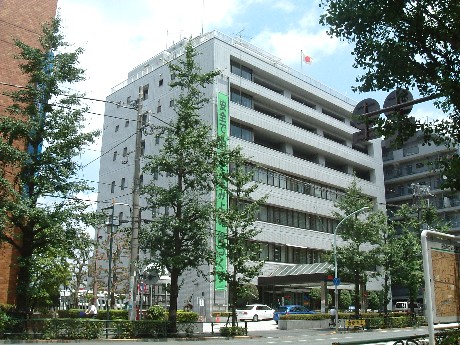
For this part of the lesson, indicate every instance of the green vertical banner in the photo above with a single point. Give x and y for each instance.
(221, 193)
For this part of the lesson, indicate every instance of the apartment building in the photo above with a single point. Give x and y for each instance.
(18, 20)
(411, 173)
(296, 130)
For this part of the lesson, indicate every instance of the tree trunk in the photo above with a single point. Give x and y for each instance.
(357, 304)
(174, 294)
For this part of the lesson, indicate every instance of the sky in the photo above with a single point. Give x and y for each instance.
(118, 35)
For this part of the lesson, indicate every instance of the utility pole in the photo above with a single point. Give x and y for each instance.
(135, 221)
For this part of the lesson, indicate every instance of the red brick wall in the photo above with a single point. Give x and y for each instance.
(21, 20)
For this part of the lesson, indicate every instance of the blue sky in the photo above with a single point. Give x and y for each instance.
(118, 35)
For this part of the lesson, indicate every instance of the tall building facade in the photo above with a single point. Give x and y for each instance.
(18, 20)
(295, 130)
(412, 173)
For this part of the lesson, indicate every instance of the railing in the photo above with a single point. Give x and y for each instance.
(178, 49)
(108, 329)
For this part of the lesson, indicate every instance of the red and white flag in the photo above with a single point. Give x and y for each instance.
(307, 59)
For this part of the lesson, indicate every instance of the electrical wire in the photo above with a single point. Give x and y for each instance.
(20, 27)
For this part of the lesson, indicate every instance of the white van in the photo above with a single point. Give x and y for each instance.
(405, 307)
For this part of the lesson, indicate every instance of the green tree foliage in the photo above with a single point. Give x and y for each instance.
(358, 257)
(83, 249)
(41, 134)
(407, 267)
(178, 236)
(345, 299)
(406, 44)
(243, 254)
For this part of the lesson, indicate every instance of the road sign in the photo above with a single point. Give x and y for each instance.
(363, 122)
(396, 97)
(336, 281)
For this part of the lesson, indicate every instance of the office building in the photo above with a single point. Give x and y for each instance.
(296, 130)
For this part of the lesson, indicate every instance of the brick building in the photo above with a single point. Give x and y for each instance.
(18, 20)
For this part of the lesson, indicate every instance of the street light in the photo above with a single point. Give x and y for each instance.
(109, 278)
(336, 281)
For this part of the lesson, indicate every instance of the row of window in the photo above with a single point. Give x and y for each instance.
(410, 169)
(295, 184)
(289, 254)
(247, 73)
(296, 219)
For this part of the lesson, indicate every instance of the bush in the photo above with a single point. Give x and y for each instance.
(72, 329)
(115, 314)
(448, 337)
(232, 331)
(156, 312)
(187, 316)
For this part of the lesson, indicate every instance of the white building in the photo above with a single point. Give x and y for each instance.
(412, 173)
(295, 128)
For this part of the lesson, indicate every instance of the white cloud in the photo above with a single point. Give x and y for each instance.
(288, 45)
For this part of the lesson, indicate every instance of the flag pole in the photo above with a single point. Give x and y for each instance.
(301, 55)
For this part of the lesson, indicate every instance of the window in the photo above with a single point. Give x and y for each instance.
(117, 127)
(173, 76)
(171, 103)
(112, 187)
(123, 181)
(115, 156)
(160, 82)
(144, 119)
(157, 140)
(145, 92)
(142, 147)
(141, 181)
(240, 97)
(277, 253)
(159, 109)
(127, 123)
(120, 218)
(128, 100)
(155, 175)
(240, 70)
(240, 131)
(125, 152)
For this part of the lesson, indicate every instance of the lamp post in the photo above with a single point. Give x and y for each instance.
(336, 281)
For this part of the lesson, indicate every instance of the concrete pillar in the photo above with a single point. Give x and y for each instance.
(323, 296)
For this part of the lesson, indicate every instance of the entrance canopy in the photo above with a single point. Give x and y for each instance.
(298, 274)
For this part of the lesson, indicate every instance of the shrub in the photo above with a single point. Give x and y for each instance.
(115, 314)
(448, 337)
(232, 331)
(187, 316)
(156, 312)
(72, 329)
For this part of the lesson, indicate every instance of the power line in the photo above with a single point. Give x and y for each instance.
(20, 27)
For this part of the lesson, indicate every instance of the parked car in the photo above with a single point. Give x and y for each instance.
(255, 312)
(290, 309)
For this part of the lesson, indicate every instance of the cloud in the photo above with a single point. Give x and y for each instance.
(287, 45)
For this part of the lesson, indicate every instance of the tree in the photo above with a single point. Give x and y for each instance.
(178, 236)
(41, 134)
(243, 253)
(407, 268)
(358, 257)
(406, 44)
(83, 247)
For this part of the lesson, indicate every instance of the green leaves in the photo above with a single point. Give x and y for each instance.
(409, 45)
(42, 133)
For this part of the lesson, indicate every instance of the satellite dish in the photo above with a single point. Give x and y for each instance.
(396, 97)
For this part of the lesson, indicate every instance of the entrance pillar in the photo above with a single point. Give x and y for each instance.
(323, 296)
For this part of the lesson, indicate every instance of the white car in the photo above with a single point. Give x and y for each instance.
(255, 312)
